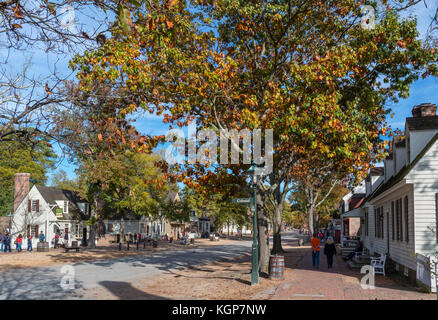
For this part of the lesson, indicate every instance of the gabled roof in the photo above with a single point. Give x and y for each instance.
(422, 123)
(355, 201)
(403, 171)
(51, 195)
(172, 196)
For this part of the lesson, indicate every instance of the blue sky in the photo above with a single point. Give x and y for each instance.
(424, 90)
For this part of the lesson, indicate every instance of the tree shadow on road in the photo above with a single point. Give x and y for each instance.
(125, 291)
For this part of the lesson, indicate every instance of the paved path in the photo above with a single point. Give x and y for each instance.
(45, 282)
(340, 283)
(308, 283)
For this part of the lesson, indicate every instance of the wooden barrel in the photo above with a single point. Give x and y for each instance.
(276, 271)
(42, 247)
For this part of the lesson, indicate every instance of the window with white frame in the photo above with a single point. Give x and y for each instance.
(65, 209)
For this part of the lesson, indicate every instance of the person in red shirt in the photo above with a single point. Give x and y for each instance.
(315, 242)
(56, 240)
(19, 242)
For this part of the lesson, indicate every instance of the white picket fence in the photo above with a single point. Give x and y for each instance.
(427, 268)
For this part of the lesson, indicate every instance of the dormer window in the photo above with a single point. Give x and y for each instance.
(65, 209)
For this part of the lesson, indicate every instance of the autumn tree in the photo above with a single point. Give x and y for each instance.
(308, 70)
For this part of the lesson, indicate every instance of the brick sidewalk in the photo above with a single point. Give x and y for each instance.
(339, 283)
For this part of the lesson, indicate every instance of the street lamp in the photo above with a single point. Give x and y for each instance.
(255, 244)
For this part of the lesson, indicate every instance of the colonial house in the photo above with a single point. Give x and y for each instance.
(399, 216)
(349, 210)
(49, 210)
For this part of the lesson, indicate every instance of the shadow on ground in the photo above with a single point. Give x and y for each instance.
(125, 291)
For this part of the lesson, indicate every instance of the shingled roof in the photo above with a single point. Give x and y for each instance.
(403, 171)
(422, 123)
(52, 194)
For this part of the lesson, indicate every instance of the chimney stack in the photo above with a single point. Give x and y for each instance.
(424, 110)
(21, 188)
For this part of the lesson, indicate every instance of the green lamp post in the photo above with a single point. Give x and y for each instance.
(255, 244)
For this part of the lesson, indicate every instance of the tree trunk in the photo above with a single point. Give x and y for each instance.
(276, 224)
(92, 237)
(122, 230)
(93, 229)
(310, 210)
(262, 225)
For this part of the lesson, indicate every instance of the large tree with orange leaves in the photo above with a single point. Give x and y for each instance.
(306, 69)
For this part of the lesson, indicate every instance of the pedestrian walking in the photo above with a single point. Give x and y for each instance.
(8, 241)
(56, 240)
(29, 243)
(315, 242)
(3, 241)
(330, 251)
(66, 239)
(19, 242)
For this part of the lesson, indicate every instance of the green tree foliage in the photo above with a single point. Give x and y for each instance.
(16, 158)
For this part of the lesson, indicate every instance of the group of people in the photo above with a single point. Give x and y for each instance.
(6, 238)
(329, 249)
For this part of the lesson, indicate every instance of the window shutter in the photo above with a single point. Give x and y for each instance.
(28, 230)
(406, 219)
(397, 224)
(38, 206)
(375, 223)
(37, 232)
(392, 219)
(29, 205)
(382, 223)
(436, 216)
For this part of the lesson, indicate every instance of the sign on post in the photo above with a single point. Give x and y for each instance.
(242, 200)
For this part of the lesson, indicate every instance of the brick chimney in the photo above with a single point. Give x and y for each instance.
(424, 110)
(21, 188)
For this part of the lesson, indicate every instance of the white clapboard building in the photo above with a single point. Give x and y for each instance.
(399, 216)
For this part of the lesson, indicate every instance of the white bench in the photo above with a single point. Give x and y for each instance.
(379, 264)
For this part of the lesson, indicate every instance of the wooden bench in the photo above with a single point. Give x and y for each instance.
(74, 246)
